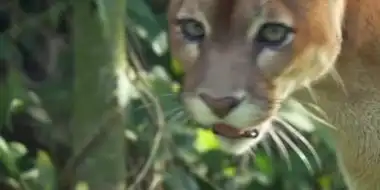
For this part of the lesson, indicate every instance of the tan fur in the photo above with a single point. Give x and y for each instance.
(332, 36)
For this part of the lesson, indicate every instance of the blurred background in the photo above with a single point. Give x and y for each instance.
(44, 111)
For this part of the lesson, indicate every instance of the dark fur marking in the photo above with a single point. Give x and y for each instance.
(222, 19)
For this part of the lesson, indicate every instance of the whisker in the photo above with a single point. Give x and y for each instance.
(322, 121)
(266, 147)
(296, 149)
(338, 79)
(244, 161)
(252, 153)
(145, 105)
(313, 115)
(177, 116)
(281, 146)
(311, 92)
(299, 135)
(167, 94)
(150, 104)
(277, 101)
(316, 108)
(172, 112)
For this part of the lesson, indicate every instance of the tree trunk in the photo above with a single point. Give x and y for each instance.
(100, 98)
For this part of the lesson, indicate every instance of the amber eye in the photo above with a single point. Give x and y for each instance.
(274, 34)
(191, 29)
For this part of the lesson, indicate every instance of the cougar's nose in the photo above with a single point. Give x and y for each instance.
(220, 106)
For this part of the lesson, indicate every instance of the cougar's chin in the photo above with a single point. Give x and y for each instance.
(238, 146)
(239, 131)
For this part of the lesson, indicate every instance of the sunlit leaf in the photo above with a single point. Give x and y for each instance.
(18, 150)
(4, 148)
(7, 157)
(325, 182)
(46, 170)
(82, 186)
(229, 171)
(206, 140)
(177, 67)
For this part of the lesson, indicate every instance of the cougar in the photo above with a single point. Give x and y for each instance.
(243, 58)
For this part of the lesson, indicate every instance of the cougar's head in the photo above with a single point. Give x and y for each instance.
(242, 58)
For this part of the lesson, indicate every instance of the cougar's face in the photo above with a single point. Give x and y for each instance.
(242, 58)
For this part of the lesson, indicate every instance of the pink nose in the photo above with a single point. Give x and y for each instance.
(220, 106)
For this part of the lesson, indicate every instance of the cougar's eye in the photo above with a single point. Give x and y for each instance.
(274, 34)
(191, 29)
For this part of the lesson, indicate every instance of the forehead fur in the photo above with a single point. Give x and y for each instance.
(233, 16)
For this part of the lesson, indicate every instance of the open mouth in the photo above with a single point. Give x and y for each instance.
(229, 131)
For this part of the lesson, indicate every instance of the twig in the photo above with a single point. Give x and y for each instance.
(156, 141)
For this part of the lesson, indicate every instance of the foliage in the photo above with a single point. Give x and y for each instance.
(165, 149)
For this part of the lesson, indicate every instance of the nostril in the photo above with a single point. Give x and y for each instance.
(220, 106)
(230, 102)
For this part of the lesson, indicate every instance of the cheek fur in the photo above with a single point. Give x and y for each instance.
(314, 63)
(273, 62)
(184, 52)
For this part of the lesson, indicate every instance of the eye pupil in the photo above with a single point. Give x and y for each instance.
(273, 34)
(191, 29)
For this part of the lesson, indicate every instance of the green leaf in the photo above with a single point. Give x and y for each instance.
(177, 67)
(325, 182)
(18, 150)
(7, 158)
(206, 140)
(82, 186)
(46, 177)
(177, 178)
(264, 165)
(146, 26)
(229, 171)
(215, 166)
(11, 87)
(4, 148)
